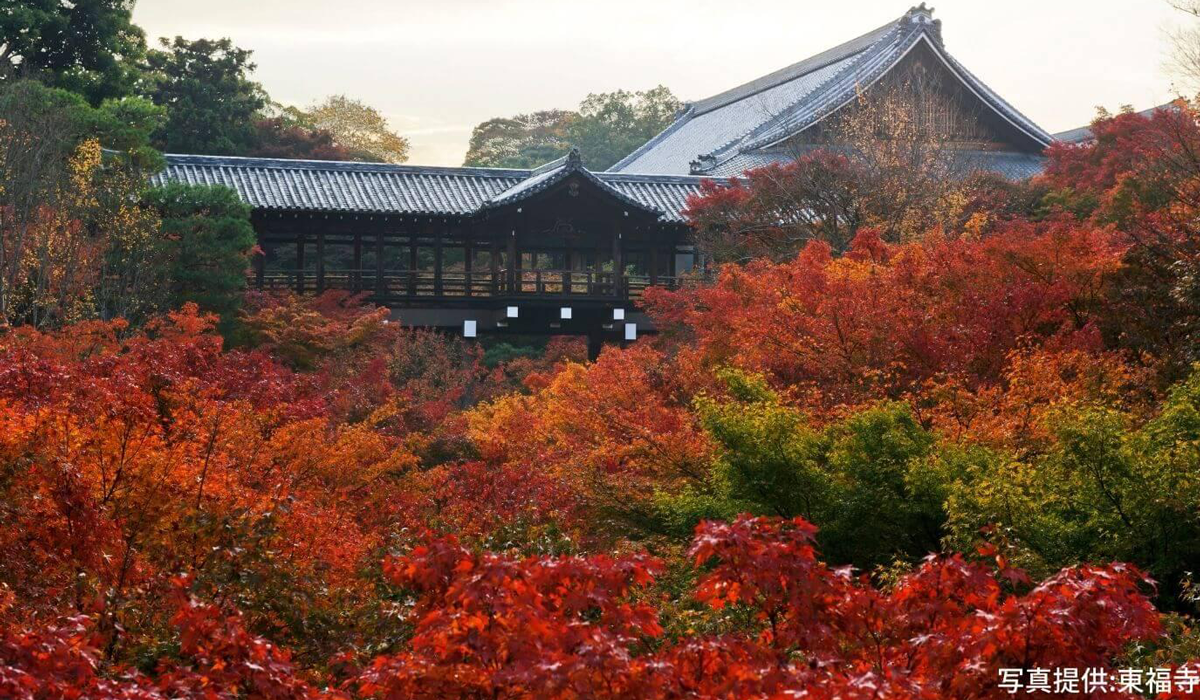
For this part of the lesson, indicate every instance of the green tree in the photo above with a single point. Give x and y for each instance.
(865, 480)
(768, 452)
(48, 116)
(210, 100)
(1110, 488)
(611, 125)
(213, 235)
(65, 209)
(607, 127)
(90, 47)
(883, 508)
(523, 141)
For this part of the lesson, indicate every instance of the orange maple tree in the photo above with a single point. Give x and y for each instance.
(333, 505)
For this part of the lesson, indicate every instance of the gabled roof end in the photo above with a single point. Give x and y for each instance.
(571, 161)
(922, 16)
(546, 176)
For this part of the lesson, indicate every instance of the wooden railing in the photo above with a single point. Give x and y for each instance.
(572, 283)
(393, 284)
(559, 283)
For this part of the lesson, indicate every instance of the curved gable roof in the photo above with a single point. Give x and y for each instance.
(338, 187)
(777, 106)
(697, 133)
(837, 93)
(546, 176)
(797, 70)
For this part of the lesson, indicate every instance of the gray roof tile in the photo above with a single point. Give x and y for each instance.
(1084, 134)
(796, 70)
(1011, 165)
(550, 174)
(732, 126)
(273, 184)
(704, 132)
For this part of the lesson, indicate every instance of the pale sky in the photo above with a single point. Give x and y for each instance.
(437, 68)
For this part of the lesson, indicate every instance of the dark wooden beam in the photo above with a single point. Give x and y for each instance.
(566, 275)
(380, 288)
(357, 262)
(320, 262)
(618, 261)
(437, 261)
(495, 265)
(300, 264)
(467, 264)
(513, 261)
(260, 264)
(412, 265)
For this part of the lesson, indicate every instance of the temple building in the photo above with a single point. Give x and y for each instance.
(778, 115)
(553, 250)
(560, 249)
(1084, 134)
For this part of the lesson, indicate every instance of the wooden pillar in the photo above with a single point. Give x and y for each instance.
(566, 275)
(597, 269)
(618, 263)
(380, 287)
(260, 264)
(595, 345)
(495, 264)
(512, 261)
(467, 263)
(357, 261)
(653, 265)
(437, 261)
(412, 265)
(300, 264)
(320, 262)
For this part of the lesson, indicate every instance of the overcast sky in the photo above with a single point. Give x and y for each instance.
(437, 68)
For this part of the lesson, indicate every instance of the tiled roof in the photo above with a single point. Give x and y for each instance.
(1084, 134)
(837, 54)
(1079, 135)
(550, 174)
(712, 135)
(703, 132)
(273, 184)
(1011, 165)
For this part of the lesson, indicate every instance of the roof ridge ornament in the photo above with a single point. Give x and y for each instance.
(573, 157)
(920, 13)
(703, 164)
(922, 16)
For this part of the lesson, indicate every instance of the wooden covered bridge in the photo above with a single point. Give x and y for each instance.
(560, 249)
(554, 250)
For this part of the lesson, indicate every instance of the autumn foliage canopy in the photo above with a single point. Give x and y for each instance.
(862, 465)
